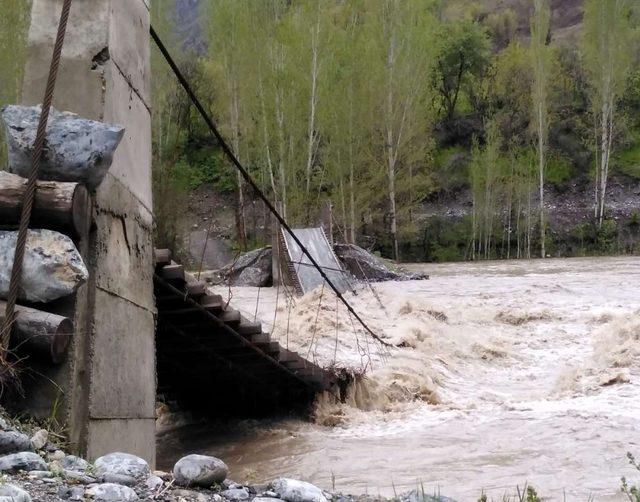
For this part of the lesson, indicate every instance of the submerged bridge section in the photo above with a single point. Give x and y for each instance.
(208, 353)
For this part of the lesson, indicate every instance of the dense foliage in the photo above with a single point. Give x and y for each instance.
(381, 105)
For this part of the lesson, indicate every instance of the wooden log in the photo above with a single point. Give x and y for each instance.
(40, 334)
(65, 207)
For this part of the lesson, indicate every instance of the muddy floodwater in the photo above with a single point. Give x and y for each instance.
(509, 372)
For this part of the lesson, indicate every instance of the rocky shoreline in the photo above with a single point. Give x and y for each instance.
(35, 469)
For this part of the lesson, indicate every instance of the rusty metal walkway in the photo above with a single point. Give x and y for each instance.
(202, 342)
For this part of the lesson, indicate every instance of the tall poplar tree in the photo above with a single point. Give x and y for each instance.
(608, 55)
(541, 60)
(400, 63)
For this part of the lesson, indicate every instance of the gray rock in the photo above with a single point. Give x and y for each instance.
(23, 461)
(4, 425)
(123, 464)
(119, 479)
(165, 476)
(111, 492)
(14, 494)
(199, 470)
(71, 492)
(39, 439)
(236, 494)
(52, 267)
(73, 463)
(190, 495)
(250, 269)
(13, 441)
(293, 490)
(153, 482)
(77, 149)
(41, 474)
(56, 455)
(79, 477)
(253, 276)
(266, 499)
(366, 267)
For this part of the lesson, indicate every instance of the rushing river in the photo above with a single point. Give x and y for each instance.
(512, 372)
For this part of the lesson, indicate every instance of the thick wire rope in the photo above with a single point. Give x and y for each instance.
(30, 192)
(245, 174)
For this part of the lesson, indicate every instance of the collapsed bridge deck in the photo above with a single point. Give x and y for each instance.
(204, 346)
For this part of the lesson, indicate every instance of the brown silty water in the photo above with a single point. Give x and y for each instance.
(506, 373)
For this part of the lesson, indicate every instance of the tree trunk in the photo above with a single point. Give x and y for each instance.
(391, 154)
(312, 110)
(65, 207)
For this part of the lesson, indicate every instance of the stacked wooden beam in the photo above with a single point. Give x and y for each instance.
(196, 328)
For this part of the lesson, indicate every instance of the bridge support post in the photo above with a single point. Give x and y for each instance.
(105, 392)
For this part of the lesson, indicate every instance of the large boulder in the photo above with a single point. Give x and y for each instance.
(121, 464)
(77, 149)
(13, 442)
(368, 267)
(111, 492)
(250, 269)
(199, 470)
(13, 494)
(23, 461)
(293, 490)
(52, 266)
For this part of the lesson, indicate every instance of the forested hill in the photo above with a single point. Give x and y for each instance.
(566, 17)
(304, 93)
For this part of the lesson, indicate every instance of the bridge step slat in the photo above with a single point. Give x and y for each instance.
(211, 302)
(162, 257)
(268, 347)
(196, 289)
(260, 338)
(250, 328)
(231, 317)
(172, 272)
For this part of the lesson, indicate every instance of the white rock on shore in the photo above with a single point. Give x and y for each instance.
(111, 492)
(293, 490)
(199, 470)
(23, 461)
(10, 493)
(14, 442)
(121, 464)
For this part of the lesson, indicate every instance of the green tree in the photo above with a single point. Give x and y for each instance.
(14, 25)
(462, 56)
(399, 63)
(541, 61)
(606, 46)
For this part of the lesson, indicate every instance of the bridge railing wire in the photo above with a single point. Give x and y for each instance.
(250, 181)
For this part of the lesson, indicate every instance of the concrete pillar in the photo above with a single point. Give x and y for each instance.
(106, 390)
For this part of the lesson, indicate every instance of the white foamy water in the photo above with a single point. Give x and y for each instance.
(511, 372)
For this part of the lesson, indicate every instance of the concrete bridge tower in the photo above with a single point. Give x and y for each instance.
(105, 391)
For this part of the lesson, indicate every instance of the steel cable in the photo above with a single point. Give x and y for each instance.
(247, 177)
